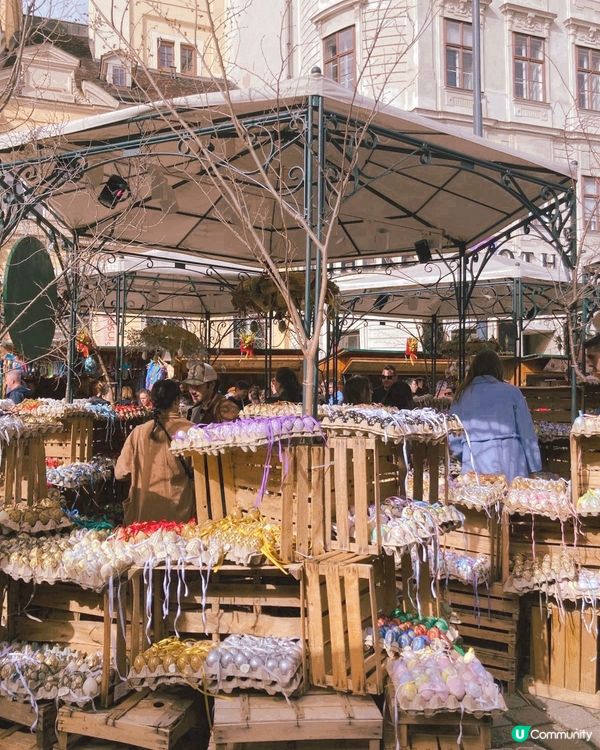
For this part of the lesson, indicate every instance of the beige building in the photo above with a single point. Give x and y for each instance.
(540, 81)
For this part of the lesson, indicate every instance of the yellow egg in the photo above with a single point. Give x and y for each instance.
(139, 663)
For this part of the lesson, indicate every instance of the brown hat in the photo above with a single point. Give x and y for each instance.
(200, 373)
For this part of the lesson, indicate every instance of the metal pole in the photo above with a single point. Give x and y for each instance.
(308, 214)
(462, 284)
(72, 350)
(477, 109)
(434, 325)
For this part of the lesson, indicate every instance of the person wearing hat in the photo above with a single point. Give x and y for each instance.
(209, 405)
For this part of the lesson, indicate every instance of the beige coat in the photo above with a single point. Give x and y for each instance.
(160, 489)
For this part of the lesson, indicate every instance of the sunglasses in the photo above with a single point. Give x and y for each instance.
(387, 377)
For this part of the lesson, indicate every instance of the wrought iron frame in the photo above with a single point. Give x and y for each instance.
(319, 135)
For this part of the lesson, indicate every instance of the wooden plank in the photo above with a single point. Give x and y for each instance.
(314, 622)
(337, 626)
(224, 623)
(572, 668)
(557, 650)
(355, 628)
(589, 652)
(361, 497)
(302, 493)
(540, 646)
(342, 493)
(317, 494)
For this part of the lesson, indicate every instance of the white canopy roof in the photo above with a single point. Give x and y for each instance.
(424, 290)
(413, 175)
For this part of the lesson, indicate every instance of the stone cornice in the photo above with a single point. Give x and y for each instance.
(526, 19)
(463, 8)
(586, 32)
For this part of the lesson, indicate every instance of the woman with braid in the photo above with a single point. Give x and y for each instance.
(162, 486)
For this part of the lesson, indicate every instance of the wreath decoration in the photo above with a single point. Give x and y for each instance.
(166, 336)
(258, 294)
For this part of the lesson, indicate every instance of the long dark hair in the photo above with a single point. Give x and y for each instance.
(357, 390)
(292, 390)
(164, 394)
(486, 362)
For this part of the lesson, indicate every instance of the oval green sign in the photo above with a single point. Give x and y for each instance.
(30, 298)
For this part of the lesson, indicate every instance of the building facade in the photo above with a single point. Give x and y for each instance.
(540, 68)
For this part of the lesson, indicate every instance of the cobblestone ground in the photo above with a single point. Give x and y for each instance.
(546, 715)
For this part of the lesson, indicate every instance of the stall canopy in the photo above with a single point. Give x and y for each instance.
(422, 291)
(169, 284)
(412, 178)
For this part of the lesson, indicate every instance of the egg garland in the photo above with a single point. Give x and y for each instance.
(408, 630)
(477, 491)
(586, 424)
(171, 661)
(47, 514)
(550, 432)
(393, 425)
(30, 672)
(273, 665)
(81, 473)
(436, 679)
(586, 587)
(247, 434)
(546, 497)
(528, 574)
(589, 503)
(472, 570)
(405, 523)
(245, 538)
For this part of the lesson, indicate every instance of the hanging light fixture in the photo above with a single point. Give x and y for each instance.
(114, 191)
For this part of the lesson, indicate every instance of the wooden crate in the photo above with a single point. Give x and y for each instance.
(150, 720)
(439, 732)
(293, 495)
(253, 722)
(564, 654)
(261, 601)
(23, 470)
(585, 464)
(556, 458)
(74, 443)
(21, 717)
(344, 594)
(67, 614)
(480, 534)
(426, 457)
(551, 404)
(490, 625)
(360, 472)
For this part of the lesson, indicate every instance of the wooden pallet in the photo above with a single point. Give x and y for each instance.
(67, 614)
(23, 470)
(425, 459)
(344, 594)
(22, 715)
(74, 443)
(149, 720)
(360, 472)
(480, 534)
(491, 629)
(564, 655)
(293, 497)
(253, 721)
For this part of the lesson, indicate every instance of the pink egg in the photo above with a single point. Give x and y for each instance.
(456, 686)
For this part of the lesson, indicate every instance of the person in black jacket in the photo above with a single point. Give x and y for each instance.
(16, 390)
(393, 392)
(287, 386)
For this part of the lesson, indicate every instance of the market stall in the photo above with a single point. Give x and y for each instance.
(469, 191)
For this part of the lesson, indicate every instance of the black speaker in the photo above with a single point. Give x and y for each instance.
(423, 251)
(115, 190)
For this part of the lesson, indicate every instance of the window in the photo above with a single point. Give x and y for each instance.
(528, 66)
(588, 78)
(591, 203)
(188, 60)
(166, 55)
(459, 55)
(338, 57)
(119, 75)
